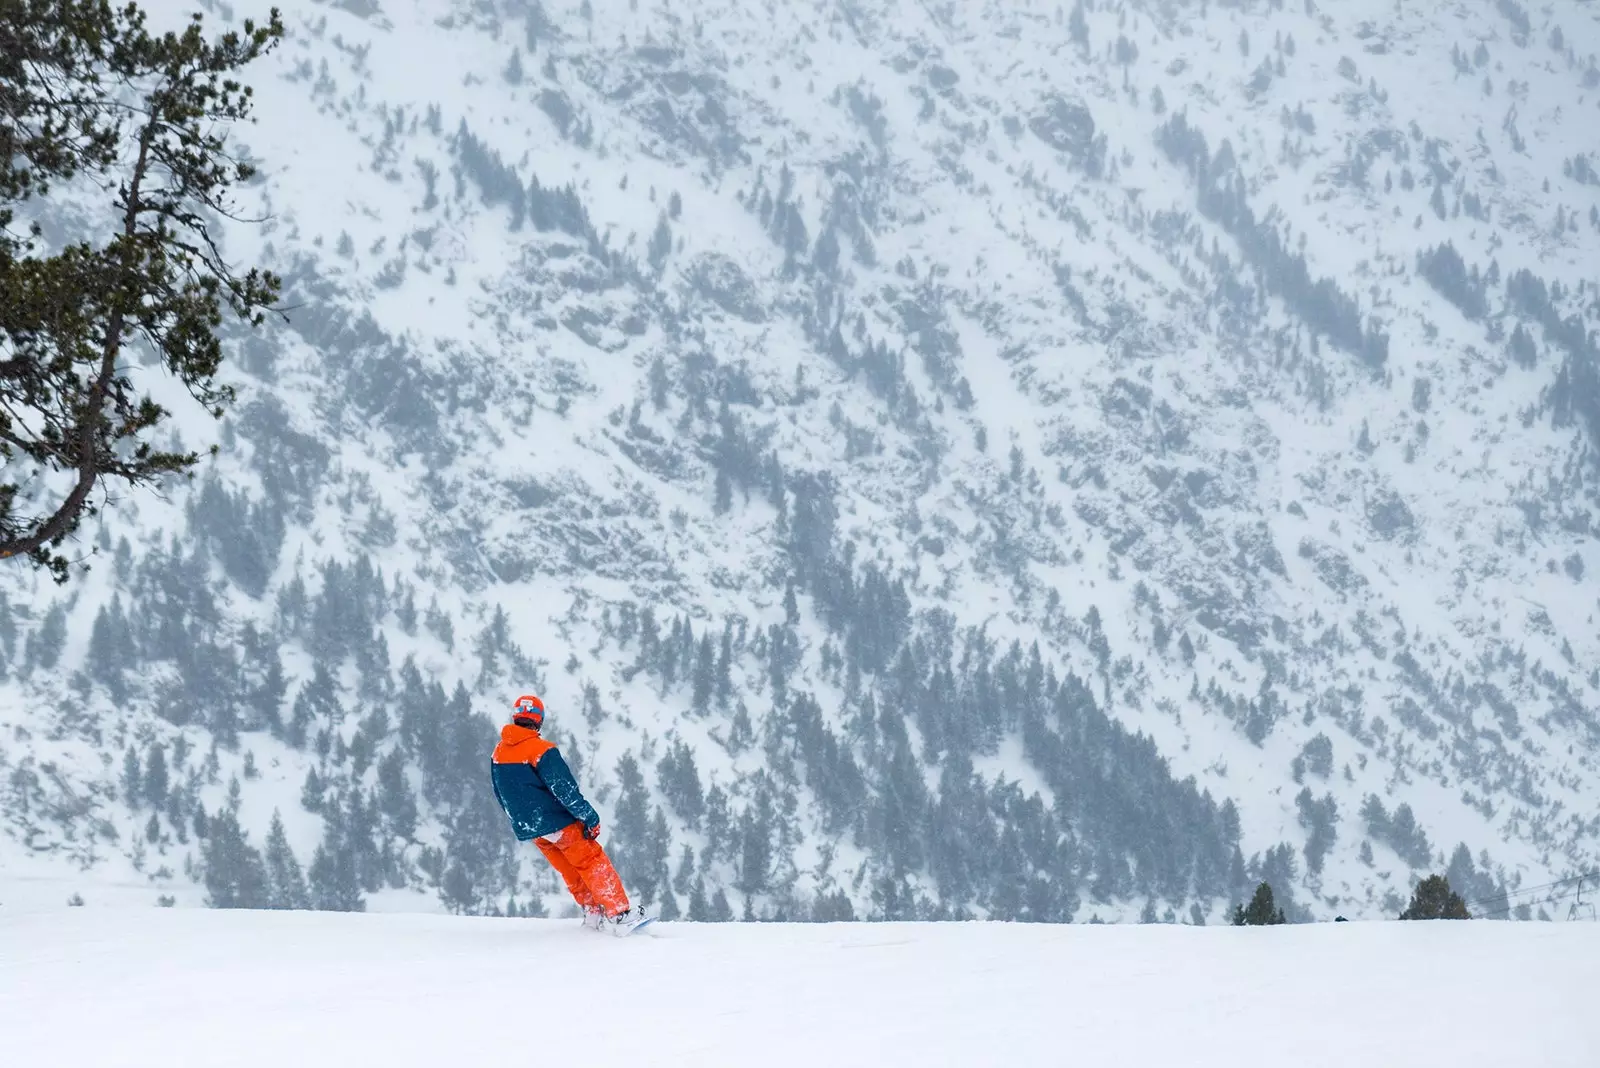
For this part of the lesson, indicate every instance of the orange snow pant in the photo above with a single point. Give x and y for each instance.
(590, 878)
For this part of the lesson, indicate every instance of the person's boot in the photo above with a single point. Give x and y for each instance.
(593, 919)
(628, 921)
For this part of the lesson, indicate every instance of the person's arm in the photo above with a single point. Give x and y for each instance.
(558, 777)
(494, 780)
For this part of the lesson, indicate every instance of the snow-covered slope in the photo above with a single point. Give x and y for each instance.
(1008, 460)
(248, 989)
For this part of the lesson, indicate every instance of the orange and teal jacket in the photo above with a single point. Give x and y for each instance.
(535, 786)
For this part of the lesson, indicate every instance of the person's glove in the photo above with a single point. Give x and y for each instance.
(591, 831)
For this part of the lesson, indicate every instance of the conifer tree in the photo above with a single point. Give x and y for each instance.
(685, 877)
(88, 92)
(361, 837)
(1261, 912)
(724, 680)
(286, 883)
(155, 776)
(47, 643)
(654, 876)
(395, 799)
(679, 782)
(235, 876)
(457, 889)
(630, 824)
(1434, 900)
(132, 777)
(699, 908)
(705, 674)
(334, 883)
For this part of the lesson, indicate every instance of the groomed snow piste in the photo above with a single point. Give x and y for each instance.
(292, 990)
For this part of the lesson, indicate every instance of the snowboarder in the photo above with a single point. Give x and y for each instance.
(536, 789)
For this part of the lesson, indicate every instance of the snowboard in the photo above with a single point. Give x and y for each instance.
(636, 928)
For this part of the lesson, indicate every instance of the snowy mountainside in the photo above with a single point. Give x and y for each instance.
(935, 460)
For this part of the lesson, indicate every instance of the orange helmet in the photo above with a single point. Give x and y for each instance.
(528, 711)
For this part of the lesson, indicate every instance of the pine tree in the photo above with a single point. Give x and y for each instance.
(47, 643)
(1376, 816)
(679, 781)
(132, 778)
(1407, 837)
(406, 614)
(176, 816)
(755, 845)
(1261, 911)
(1319, 817)
(684, 879)
(1078, 27)
(8, 631)
(1434, 900)
(286, 883)
(267, 698)
(361, 834)
(235, 876)
(155, 776)
(395, 799)
(1464, 876)
(660, 245)
(312, 793)
(91, 92)
(334, 882)
(833, 908)
(632, 850)
(104, 661)
(705, 674)
(655, 858)
(724, 684)
(741, 733)
(478, 864)
(659, 383)
(699, 909)
(457, 889)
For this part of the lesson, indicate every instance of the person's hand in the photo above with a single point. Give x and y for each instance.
(591, 831)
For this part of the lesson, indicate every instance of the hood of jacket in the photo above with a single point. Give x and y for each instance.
(520, 745)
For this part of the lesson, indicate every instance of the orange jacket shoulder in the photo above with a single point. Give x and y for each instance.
(518, 745)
